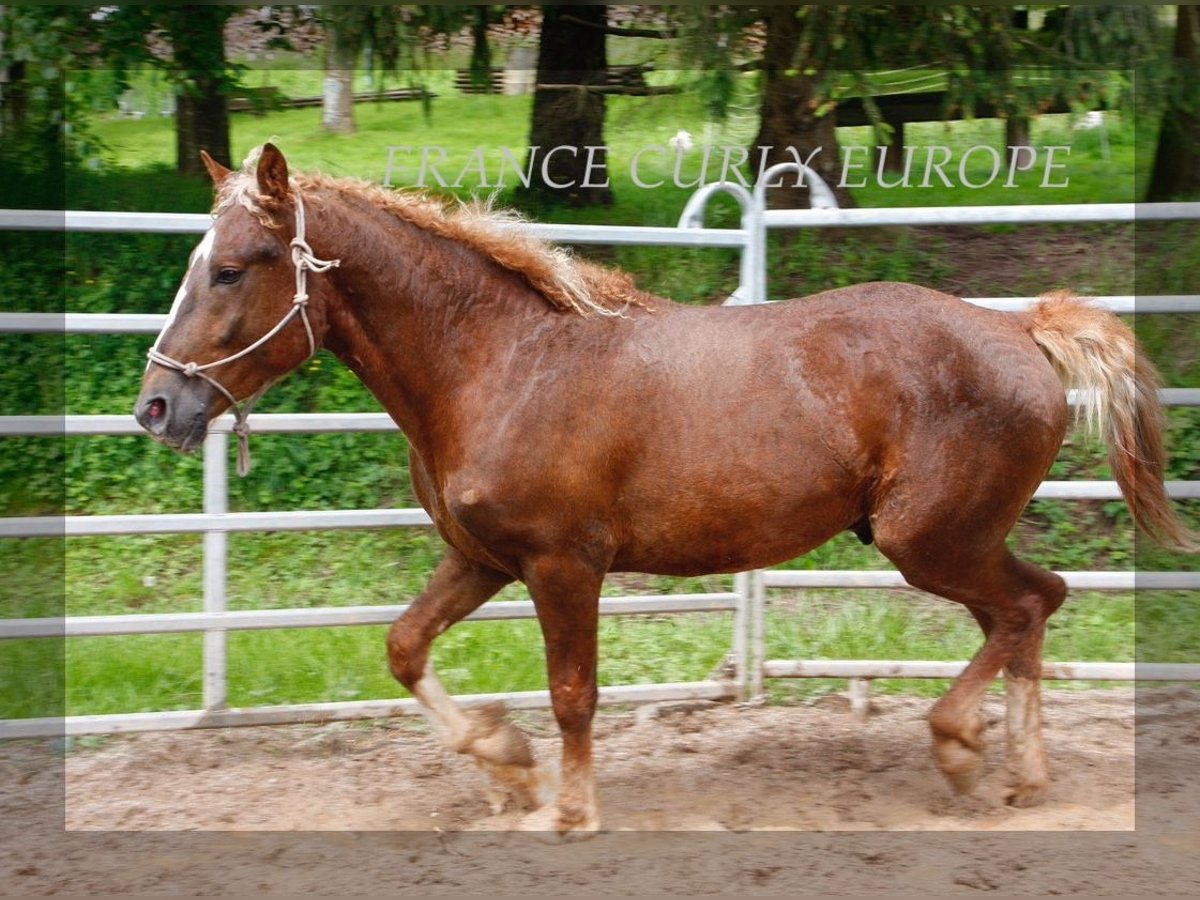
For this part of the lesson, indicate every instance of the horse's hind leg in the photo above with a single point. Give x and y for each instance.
(456, 589)
(1023, 701)
(1012, 600)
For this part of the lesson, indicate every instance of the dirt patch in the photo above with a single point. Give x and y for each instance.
(695, 798)
(1032, 260)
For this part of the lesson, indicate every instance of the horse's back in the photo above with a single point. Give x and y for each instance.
(786, 420)
(890, 345)
(919, 371)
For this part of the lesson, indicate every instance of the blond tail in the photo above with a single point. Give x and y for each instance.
(1095, 352)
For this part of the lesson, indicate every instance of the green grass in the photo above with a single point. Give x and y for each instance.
(108, 675)
(133, 673)
(113, 576)
(111, 675)
(122, 674)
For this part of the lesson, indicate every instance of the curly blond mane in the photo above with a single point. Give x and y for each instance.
(567, 283)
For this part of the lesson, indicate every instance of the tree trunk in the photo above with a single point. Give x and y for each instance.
(567, 159)
(894, 162)
(201, 112)
(481, 50)
(1016, 134)
(201, 123)
(1176, 172)
(13, 100)
(790, 128)
(337, 102)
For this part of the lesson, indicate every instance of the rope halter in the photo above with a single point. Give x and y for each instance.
(303, 260)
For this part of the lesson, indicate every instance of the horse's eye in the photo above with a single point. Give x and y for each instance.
(229, 276)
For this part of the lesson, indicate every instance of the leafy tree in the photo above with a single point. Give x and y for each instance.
(204, 78)
(390, 38)
(349, 31)
(129, 37)
(1176, 170)
(794, 115)
(40, 130)
(815, 55)
(566, 134)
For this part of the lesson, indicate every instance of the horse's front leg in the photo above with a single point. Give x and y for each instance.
(458, 587)
(566, 593)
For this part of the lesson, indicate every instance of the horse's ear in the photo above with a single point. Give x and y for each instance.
(216, 171)
(272, 173)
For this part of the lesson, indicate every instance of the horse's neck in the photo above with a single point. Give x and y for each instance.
(418, 316)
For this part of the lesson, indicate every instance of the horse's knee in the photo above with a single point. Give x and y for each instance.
(407, 653)
(574, 706)
(1053, 593)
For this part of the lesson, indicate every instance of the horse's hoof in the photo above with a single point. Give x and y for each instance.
(962, 765)
(1024, 795)
(548, 824)
(497, 800)
(527, 787)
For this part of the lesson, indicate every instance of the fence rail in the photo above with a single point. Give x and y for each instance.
(152, 323)
(324, 617)
(746, 601)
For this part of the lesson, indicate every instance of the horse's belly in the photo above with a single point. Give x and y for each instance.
(699, 534)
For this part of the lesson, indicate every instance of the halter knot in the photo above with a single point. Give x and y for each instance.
(190, 369)
(300, 249)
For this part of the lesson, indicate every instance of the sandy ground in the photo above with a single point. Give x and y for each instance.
(696, 798)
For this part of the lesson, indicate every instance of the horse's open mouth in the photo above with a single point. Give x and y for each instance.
(192, 440)
(187, 443)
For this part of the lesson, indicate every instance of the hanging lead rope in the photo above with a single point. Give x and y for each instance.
(304, 260)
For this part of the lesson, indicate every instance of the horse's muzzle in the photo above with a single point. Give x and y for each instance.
(175, 415)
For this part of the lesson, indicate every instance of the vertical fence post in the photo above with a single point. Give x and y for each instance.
(741, 618)
(216, 502)
(755, 254)
(860, 698)
(758, 649)
(820, 197)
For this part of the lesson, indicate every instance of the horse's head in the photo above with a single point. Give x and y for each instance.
(241, 319)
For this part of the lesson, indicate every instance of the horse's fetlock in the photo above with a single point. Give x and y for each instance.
(462, 743)
(506, 745)
(948, 727)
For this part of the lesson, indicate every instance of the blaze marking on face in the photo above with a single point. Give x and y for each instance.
(204, 249)
(201, 253)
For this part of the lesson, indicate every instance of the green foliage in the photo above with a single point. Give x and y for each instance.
(41, 114)
(980, 52)
(125, 40)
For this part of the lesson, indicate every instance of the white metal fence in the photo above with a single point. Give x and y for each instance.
(747, 665)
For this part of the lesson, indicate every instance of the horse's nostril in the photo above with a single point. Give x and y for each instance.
(152, 414)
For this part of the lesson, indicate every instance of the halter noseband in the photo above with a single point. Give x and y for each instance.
(303, 260)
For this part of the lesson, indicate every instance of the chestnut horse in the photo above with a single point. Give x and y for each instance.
(562, 424)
